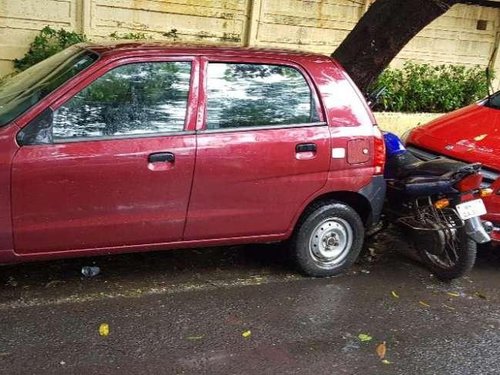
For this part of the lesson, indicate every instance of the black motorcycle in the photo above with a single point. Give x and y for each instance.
(438, 205)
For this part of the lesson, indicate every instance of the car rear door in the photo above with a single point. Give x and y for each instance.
(263, 149)
(112, 166)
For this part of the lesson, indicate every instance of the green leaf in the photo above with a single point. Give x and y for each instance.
(363, 337)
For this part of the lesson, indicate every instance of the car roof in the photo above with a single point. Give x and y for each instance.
(120, 47)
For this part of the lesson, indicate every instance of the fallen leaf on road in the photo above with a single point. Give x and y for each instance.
(394, 294)
(381, 350)
(386, 362)
(424, 304)
(480, 295)
(194, 338)
(363, 337)
(246, 333)
(104, 329)
(448, 307)
(453, 294)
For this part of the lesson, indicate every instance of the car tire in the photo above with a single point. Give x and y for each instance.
(328, 239)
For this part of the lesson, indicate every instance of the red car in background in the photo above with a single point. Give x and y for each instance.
(470, 134)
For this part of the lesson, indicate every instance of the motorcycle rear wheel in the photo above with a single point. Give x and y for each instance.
(455, 261)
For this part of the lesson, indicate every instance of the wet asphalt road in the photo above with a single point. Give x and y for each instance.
(185, 312)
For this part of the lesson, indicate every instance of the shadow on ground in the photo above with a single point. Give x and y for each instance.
(121, 273)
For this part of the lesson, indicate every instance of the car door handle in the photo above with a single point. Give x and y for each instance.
(158, 157)
(306, 147)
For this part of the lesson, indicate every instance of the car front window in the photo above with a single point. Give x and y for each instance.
(133, 99)
(22, 91)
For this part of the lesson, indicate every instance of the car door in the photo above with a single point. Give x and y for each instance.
(262, 151)
(110, 167)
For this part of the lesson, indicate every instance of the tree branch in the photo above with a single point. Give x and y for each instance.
(382, 32)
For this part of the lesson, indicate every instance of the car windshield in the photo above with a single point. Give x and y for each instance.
(493, 101)
(22, 91)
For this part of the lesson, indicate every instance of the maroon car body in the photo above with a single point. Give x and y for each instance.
(470, 134)
(195, 186)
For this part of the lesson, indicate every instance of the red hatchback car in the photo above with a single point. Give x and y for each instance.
(470, 134)
(133, 147)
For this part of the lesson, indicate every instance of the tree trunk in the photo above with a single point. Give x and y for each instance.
(382, 32)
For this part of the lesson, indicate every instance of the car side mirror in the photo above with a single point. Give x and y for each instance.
(374, 97)
(38, 131)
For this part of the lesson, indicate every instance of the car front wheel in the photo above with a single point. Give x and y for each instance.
(328, 239)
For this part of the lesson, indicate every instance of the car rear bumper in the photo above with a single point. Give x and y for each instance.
(495, 233)
(374, 192)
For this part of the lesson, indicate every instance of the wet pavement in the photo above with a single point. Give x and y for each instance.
(244, 310)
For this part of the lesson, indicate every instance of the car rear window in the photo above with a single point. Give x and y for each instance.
(250, 95)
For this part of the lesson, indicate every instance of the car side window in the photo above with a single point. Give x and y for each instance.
(133, 99)
(249, 95)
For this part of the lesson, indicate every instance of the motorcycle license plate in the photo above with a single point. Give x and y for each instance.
(470, 209)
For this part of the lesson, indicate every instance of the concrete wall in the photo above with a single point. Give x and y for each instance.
(20, 21)
(399, 123)
(312, 25)
(192, 20)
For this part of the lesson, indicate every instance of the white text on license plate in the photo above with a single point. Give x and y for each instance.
(470, 209)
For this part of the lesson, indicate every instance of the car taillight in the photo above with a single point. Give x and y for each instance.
(379, 151)
(471, 182)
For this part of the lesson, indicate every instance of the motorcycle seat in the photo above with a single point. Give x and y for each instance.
(408, 165)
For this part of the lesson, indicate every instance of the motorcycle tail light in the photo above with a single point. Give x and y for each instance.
(379, 152)
(485, 192)
(471, 182)
(442, 203)
(467, 197)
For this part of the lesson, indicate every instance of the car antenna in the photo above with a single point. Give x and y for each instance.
(489, 77)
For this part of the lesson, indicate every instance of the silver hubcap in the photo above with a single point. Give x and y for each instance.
(330, 242)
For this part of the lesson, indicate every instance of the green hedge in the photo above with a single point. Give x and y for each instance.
(47, 43)
(427, 88)
(50, 41)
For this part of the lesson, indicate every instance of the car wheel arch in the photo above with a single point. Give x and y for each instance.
(357, 201)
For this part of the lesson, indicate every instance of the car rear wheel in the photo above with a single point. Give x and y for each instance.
(328, 239)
